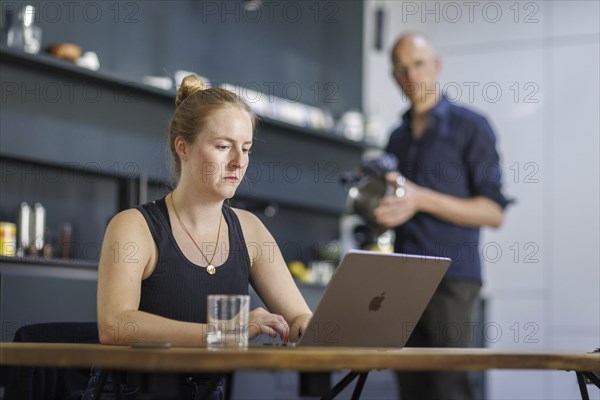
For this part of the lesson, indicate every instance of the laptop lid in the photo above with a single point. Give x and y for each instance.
(374, 300)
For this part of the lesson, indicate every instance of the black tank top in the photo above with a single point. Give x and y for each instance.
(178, 288)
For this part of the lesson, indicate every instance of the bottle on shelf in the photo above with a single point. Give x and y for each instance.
(38, 228)
(65, 237)
(23, 228)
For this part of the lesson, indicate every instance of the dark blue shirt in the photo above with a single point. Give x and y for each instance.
(456, 155)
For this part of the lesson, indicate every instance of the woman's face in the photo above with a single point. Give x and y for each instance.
(218, 158)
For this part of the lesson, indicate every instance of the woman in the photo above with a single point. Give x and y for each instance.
(161, 260)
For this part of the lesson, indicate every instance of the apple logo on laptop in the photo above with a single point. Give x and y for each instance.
(375, 303)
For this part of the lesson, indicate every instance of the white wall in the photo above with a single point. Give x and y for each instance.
(543, 290)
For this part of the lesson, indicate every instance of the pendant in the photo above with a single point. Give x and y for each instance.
(211, 269)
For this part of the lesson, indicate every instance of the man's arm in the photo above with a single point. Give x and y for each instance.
(473, 212)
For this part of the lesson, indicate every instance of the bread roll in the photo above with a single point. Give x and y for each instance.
(66, 51)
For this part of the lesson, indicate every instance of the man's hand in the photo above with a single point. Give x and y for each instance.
(393, 210)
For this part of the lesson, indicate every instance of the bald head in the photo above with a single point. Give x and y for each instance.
(413, 41)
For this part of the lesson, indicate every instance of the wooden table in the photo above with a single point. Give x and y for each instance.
(186, 360)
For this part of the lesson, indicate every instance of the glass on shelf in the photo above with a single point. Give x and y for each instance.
(23, 34)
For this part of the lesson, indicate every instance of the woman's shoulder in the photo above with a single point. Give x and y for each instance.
(131, 215)
(250, 223)
(129, 222)
(245, 217)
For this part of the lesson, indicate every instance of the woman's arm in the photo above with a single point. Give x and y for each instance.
(272, 280)
(128, 251)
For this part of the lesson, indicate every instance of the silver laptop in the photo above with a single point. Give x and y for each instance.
(374, 300)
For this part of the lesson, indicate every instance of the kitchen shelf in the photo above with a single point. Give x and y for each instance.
(55, 262)
(76, 264)
(55, 65)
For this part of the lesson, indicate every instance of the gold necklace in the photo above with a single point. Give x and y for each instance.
(210, 268)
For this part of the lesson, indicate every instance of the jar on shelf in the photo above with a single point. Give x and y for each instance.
(8, 239)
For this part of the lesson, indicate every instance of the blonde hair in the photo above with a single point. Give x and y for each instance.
(195, 104)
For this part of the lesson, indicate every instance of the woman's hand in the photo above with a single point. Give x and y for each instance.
(261, 321)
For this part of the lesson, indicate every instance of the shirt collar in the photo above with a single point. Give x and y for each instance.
(439, 110)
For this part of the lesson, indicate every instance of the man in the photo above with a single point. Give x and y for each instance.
(447, 155)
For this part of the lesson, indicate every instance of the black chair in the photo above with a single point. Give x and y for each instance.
(43, 383)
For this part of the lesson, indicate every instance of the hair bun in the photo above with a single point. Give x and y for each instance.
(189, 85)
